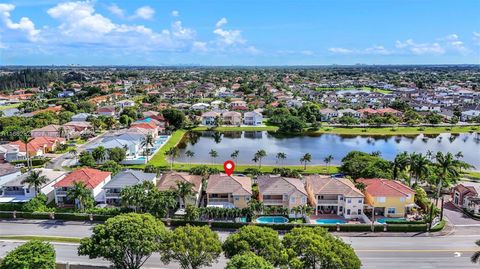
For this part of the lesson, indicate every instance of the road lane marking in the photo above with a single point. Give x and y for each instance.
(417, 250)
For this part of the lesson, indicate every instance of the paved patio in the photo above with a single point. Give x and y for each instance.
(456, 215)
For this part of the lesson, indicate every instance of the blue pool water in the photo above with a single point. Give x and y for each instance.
(330, 221)
(272, 220)
(384, 220)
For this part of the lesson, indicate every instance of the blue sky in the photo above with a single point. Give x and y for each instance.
(239, 32)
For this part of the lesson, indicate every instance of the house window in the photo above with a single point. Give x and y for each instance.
(341, 198)
(359, 212)
(304, 200)
(381, 199)
(348, 211)
(360, 201)
(237, 198)
(292, 199)
(391, 210)
(341, 209)
(402, 199)
(27, 190)
(247, 199)
(349, 201)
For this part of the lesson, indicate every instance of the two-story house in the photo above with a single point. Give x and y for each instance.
(232, 118)
(8, 172)
(389, 198)
(228, 191)
(276, 191)
(210, 118)
(466, 195)
(252, 118)
(114, 187)
(94, 181)
(334, 196)
(170, 181)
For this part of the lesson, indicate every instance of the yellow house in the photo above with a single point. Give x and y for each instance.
(228, 191)
(389, 198)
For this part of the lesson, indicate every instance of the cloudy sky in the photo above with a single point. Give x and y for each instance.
(239, 32)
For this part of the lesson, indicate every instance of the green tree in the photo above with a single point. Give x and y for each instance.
(146, 198)
(184, 190)
(111, 166)
(172, 153)
(175, 117)
(234, 155)
(31, 255)
(99, 154)
(86, 159)
(259, 155)
(126, 120)
(192, 246)
(306, 159)
(26, 140)
(476, 255)
(315, 248)
(419, 167)
(117, 154)
(327, 161)
(147, 142)
(248, 261)
(281, 156)
(261, 241)
(189, 155)
(81, 195)
(213, 154)
(36, 180)
(400, 164)
(126, 240)
(359, 164)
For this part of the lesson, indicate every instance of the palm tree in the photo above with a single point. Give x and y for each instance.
(280, 157)
(61, 132)
(476, 256)
(36, 180)
(234, 155)
(327, 161)
(260, 155)
(99, 153)
(400, 164)
(306, 158)
(172, 153)
(376, 153)
(80, 193)
(26, 139)
(419, 167)
(213, 154)
(190, 155)
(429, 154)
(147, 142)
(184, 190)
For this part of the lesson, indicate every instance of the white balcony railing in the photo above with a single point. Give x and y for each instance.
(273, 201)
(320, 201)
(61, 193)
(219, 200)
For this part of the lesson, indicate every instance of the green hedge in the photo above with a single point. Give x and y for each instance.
(58, 216)
(35, 162)
(11, 206)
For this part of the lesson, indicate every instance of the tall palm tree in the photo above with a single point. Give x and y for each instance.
(234, 155)
(61, 132)
(306, 158)
(280, 157)
(400, 164)
(99, 154)
(172, 153)
(476, 256)
(80, 193)
(35, 179)
(327, 161)
(184, 190)
(190, 155)
(214, 155)
(419, 167)
(260, 155)
(147, 142)
(26, 139)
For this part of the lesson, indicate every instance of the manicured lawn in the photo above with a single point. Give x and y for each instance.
(42, 238)
(159, 159)
(236, 128)
(395, 130)
(9, 106)
(472, 174)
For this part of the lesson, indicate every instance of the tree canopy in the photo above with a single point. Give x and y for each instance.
(31, 255)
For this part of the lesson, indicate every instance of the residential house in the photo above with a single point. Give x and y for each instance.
(8, 172)
(53, 130)
(125, 103)
(120, 181)
(79, 127)
(389, 198)
(328, 114)
(15, 191)
(10, 153)
(228, 191)
(284, 192)
(470, 115)
(169, 181)
(334, 196)
(466, 195)
(200, 106)
(107, 111)
(349, 112)
(94, 181)
(37, 146)
(210, 118)
(81, 116)
(232, 118)
(253, 118)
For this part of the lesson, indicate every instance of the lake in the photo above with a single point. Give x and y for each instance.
(320, 146)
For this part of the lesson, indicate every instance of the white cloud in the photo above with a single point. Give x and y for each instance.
(476, 37)
(175, 13)
(221, 22)
(116, 10)
(180, 32)
(199, 46)
(145, 12)
(340, 50)
(374, 50)
(24, 25)
(420, 48)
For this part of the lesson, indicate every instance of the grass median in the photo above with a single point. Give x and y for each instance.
(42, 238)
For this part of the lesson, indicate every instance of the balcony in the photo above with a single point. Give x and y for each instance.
(61, 193)
(11, 193)
(327, 202)
(219, 200)
(112, 194)
(273, 201)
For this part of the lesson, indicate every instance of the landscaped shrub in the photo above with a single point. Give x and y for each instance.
(11, 206)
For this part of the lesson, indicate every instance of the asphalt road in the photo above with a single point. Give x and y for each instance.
(451, 251)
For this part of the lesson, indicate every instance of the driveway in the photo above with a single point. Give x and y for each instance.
(457, 217)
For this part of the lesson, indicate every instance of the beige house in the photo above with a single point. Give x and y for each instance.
(53, 131)
(334, 196)
(228, 191)
(232, 118)
(169, 181)
(276, 191)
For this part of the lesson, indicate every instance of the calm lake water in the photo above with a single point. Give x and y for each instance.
(320, 146)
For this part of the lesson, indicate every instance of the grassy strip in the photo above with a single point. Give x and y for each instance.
(311, 169)
(472, 175)
(42, 238)
(394, 130)
(236, 128)
(9, 106)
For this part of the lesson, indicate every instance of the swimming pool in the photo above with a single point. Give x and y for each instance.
(330, 221)
(272, 219)
(384, 220)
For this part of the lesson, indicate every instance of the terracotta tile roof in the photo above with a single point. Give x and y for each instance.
(235, 185)
(328, 185)
(385, 187)
(169, 181)
(54, 109)
(144, 125)
(275, 185)
(37, 143)
(91, 177)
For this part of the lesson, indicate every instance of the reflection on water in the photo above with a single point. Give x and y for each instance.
(321, 145)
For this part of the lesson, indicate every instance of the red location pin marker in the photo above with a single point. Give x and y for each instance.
(229, 166)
